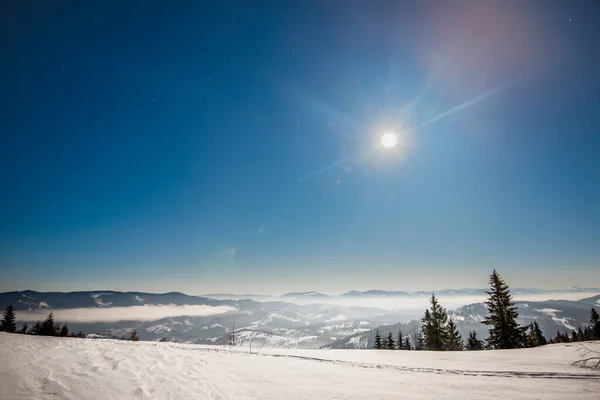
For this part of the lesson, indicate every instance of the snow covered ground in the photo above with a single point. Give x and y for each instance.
(35, 367)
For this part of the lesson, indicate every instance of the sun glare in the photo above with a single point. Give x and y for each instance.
(389, 140)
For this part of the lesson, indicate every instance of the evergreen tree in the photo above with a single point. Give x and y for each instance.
(455, 341)
(434, 326)
(232, 340)
(389, 342)
(580, 335)
(36, 329)
(574, 336)
(473, 343)
(8, 320)
(24, 328)
(48, 328)
(400, 341)
(64, 331)
(540, 339)
(134, 336)
(505, 333)
(407, 345)
(378, 341)
(595, 325)
(561, 338)
(418, 339)
(534, 337)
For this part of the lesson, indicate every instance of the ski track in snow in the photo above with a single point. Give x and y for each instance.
(36, 367)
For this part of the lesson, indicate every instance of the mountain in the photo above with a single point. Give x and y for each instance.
(278, 323)
(304, 319)
(305, 295)
(551, 315)
(375, 293)
(31, 300)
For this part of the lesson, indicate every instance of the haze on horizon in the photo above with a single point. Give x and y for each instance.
(208, 148)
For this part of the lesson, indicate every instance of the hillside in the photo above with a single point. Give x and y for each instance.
(551, 315)
(68, 368)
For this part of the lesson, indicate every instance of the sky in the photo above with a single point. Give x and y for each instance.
(236, 147)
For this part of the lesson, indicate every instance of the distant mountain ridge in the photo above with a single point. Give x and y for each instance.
(551, 315)
(32, 300)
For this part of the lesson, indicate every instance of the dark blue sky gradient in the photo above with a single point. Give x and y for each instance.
(232, 146)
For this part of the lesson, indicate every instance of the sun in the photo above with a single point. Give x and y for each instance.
(389, 140)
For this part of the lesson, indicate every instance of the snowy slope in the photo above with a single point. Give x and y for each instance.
(36, 367)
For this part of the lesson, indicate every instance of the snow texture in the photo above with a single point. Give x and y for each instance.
(35, 367)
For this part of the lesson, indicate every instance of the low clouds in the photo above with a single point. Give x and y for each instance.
(114, 314)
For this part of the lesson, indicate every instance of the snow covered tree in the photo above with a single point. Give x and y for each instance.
(400, 341)
(378, 342)
(8, 320)
(455, 341)
(134, 336)
(407, 345)
(389, 342)
(473, 343)
(505, 332)
(595, 324)
(434, 326)
(48, 327)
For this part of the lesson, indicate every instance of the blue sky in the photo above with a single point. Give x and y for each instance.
(234, 146)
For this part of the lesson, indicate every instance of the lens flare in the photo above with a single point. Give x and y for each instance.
(389, 140)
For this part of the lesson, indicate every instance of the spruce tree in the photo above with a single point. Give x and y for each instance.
(36, 329)
(574, 336)
(505, 333)
(64, 331)
(595, 324)
(232, 339)
(418, 339)
(434, 326)
(8, 320)
(587, 333)
(134, 336)
(378, 342)
(455, 341)
(473, 343)
(48, 328)
(580, 335)
(389, 342)
(535, 337)
(407, 345)
(400, 341)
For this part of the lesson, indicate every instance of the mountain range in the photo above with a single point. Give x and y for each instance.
(299, 319)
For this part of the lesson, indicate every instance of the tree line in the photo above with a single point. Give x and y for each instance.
(439, 332)
(48, 327)
(590, 332)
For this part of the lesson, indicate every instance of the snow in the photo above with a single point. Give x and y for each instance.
(160, 328)
(339, 317)
(43, 304)
(98, 300)
(38, 367)
(552, 313)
